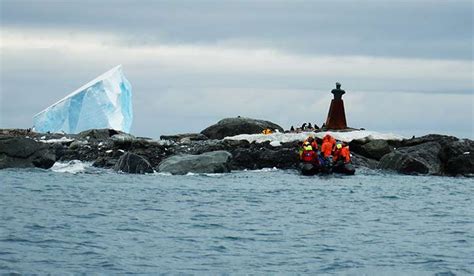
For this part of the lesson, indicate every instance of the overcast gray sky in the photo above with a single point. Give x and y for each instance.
(406, 65)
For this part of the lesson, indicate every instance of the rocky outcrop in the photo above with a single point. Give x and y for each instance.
(419, 159)
(98, 134)
(431, 154)
(235, 126)
(259, 158)
(376, 149)
(21, 152)
(373, 149)
(133, 163)
(461, 165)
(458, 156)
(361, 161)
(209, 162)
(184, 137)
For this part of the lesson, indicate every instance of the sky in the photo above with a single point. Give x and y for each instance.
(406, 66)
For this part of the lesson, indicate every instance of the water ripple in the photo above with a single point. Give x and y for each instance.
(270, 222)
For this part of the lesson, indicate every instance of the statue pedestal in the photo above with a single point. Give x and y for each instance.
(336, 116)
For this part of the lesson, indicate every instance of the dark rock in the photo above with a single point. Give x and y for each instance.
(426, 139)
(209, 162)
(98, 134)
(180, 137)
(253, 158)
(154, 151)
(356, 146)
(133, 163)
(375, 149)
(461, 165)
(20, 152)
(362, 161)
(237, 143)
(124, 137)
(452, 149)
(419, 159)
(457, 155)
(199, 147)
(235, 126)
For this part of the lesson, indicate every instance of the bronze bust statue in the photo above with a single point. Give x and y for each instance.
(338, 92)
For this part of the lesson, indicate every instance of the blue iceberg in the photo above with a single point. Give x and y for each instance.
(105, 102)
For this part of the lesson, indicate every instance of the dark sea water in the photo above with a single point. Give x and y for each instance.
(256, 222)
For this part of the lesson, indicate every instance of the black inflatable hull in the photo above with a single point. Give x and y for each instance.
(310, 169)
(346, 169)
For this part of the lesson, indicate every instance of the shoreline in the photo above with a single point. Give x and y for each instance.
(106, 148)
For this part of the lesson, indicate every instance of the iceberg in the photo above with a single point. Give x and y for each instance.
(105, 102)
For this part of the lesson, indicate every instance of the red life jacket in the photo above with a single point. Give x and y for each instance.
(308, 155)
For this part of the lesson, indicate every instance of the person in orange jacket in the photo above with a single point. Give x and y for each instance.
(342, 153)
(327, 146)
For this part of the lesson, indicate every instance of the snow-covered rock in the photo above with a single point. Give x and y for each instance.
(342, 136)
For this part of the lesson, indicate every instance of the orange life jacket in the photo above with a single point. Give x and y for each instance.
(343, 154)
(328, 145)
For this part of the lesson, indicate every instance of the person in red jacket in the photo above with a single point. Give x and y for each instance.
(308, 154)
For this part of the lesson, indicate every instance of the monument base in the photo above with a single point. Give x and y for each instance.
(336, 116)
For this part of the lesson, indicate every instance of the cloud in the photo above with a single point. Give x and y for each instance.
(420, 29)
(186, 87)
(266, 61)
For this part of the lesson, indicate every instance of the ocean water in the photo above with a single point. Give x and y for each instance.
(75, 219)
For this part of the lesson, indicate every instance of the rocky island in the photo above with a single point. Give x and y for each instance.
(226, 146)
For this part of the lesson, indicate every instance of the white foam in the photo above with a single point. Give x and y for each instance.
(162, 173)
(263, 170)
(73, 166)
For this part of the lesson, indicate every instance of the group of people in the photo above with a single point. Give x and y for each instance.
(332, 153)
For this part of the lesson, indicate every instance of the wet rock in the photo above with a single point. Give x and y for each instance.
(452, 149)
(461, 165)
(209, 162)
(179, 137)
(21, 152)
(361, 161)
(458, 157)
(97, 134)
(252, 158)
(235, 126)
(427, 138)
(123, 137)
(375, 149)
(133, 163)
(419, 159)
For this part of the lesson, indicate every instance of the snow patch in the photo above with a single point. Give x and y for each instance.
(275, 143)
(61, 140)
(291, 137)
